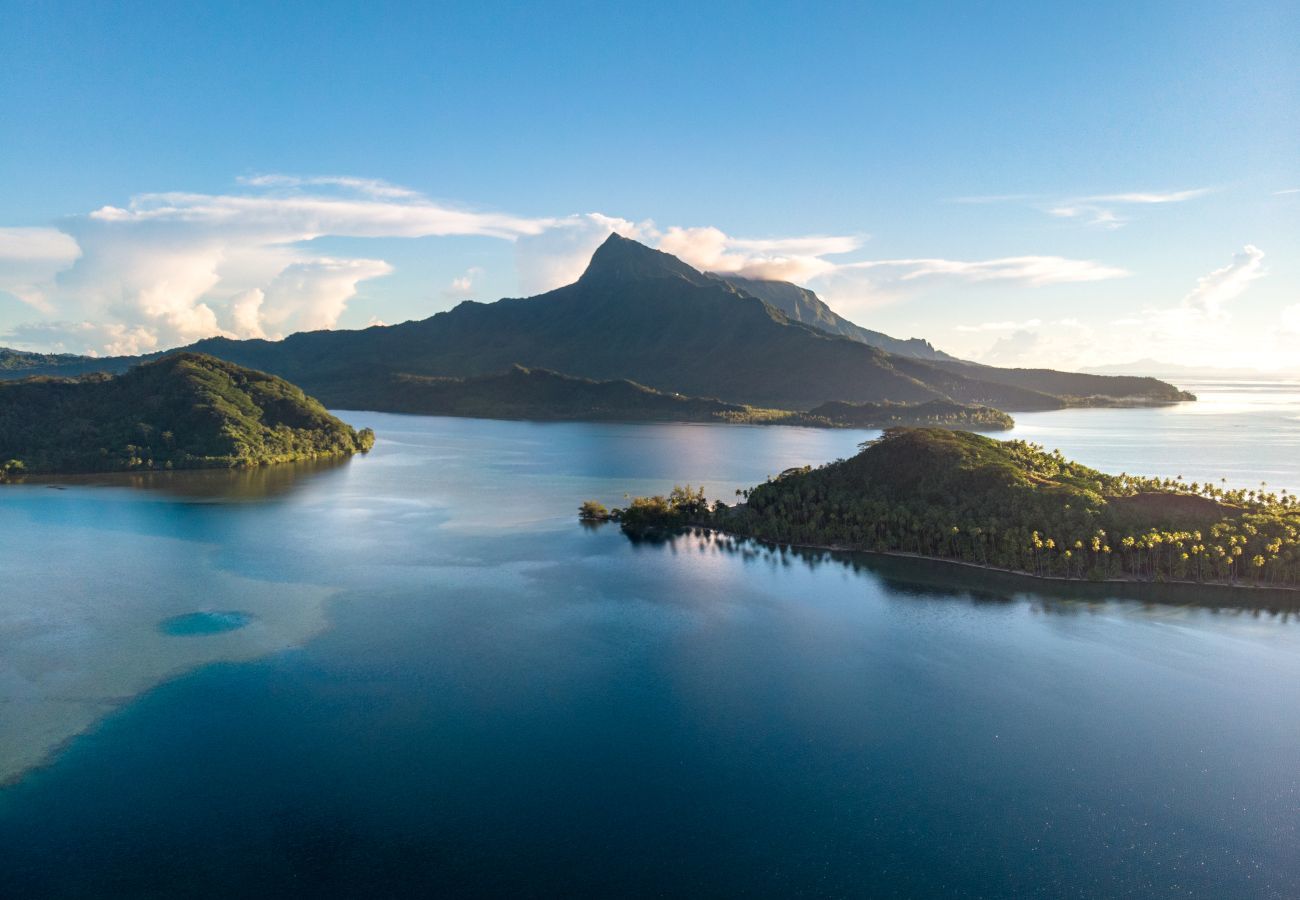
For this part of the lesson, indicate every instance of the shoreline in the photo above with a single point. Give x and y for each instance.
(1291, 595)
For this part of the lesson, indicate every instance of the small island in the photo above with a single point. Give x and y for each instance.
(183, 411)
(1006, 505)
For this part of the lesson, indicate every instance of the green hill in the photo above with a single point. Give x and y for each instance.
(942, 413)
(185, 410)
(539, 394)
(1010, 505)
(521, 393)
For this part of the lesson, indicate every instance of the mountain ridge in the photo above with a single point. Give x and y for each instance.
(645, 316)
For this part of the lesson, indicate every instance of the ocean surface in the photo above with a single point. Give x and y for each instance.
(415, 674)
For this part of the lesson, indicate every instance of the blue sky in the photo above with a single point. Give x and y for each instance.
(1026, 183)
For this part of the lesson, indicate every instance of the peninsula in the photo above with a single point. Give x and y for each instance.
(1007, 505)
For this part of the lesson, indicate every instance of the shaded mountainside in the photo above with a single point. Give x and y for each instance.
(1011, 505)
(542, 395)
(1078, 389)
(521, 393)
(802, 305)
(640, 315)
(185, 410)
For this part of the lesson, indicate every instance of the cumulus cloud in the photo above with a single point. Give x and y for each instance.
(171, 268)
(29, 260)
(462, 286)
(1226, 284)
(796, 259)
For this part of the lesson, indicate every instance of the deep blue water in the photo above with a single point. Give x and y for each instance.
(500, 701)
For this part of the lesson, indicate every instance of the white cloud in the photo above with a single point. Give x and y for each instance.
(29, 260)
(171, 268)
(796, 259)
(462, 286)
(1002, 326)
(1096, 210)
(1226, 284)
(373, 187)
(1178, 332)
(1031, 270)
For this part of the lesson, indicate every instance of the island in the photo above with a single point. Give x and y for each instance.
(1006, 505)
(183, 411)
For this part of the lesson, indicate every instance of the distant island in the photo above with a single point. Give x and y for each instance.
(1007, 505)
(640, 316)
(183, 411)
(542, 395)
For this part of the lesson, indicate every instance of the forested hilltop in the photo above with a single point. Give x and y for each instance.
(1009, 505)
(643, 316)
(182, 411)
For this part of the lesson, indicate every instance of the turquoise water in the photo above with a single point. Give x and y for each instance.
(200, 623)
(448, 686)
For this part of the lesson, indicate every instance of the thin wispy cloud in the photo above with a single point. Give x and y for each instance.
(1095, 210)
(1031, 270)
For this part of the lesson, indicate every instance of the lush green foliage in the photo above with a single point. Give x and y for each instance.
(943, 413)
(684, 506)
(1013, 505)
(183, 411)
(644, 316)
(521, 393)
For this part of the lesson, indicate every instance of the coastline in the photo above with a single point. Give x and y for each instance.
(1289, 597)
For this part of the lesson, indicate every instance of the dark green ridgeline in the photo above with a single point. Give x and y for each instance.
(183, 411)
(542, 395)
(1010, 505)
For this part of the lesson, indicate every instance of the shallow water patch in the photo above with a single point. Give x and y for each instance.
(204, 622)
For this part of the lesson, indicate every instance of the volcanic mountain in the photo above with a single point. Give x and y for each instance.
(646, 316)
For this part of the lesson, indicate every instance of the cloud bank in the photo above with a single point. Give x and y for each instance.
(170, 268)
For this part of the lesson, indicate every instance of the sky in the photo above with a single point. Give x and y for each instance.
(1067, 185)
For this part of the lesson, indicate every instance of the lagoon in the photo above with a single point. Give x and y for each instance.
(444, 684)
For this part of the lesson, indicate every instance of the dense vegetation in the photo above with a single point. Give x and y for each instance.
(521, 393)
(640, 315)
(183, 411)
(1011, 505)
(538, 394)
(941, 413)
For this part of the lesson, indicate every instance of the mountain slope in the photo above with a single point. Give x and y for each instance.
(183, 411)
(802, 305)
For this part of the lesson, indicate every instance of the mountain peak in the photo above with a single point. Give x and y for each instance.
(621, 259)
